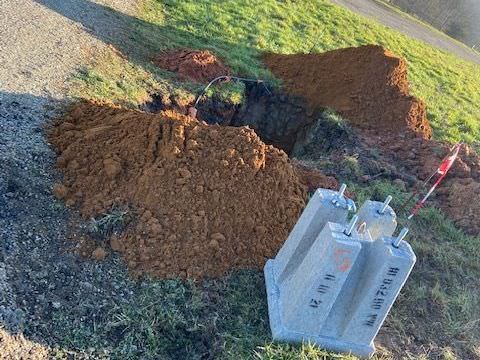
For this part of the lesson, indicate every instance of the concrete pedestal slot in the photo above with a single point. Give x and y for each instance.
(333, 283)
(324, 206)
(378, 218)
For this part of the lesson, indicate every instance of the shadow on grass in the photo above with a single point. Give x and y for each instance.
(141, 40)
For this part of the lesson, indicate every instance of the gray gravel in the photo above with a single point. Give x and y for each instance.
(43, 41)
(40, 279)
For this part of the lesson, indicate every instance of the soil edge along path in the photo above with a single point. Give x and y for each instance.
(209, 198)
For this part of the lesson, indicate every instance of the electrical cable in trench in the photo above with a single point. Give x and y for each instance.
(192, 111)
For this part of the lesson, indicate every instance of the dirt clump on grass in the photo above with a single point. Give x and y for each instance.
(368, 85)
(463, 200)
(209, 199)
(194, 65)
(314, 179)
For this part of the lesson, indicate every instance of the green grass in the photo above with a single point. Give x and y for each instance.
(113, 79)
(109, 224)
(240, 31)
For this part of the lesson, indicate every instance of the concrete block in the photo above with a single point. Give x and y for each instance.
(316, 283)
(341, 290)
(386, 271)
(324, 206)
(378, 218)
(281, 332)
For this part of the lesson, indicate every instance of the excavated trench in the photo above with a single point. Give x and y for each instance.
(367, 85)
(279, 119)
(276, 117)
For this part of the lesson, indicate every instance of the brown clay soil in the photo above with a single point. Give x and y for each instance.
(194, 65)
(367, 85)
(209, 199)
(314, 179)
(458, 195)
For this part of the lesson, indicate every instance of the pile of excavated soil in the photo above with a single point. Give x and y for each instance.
(194, 65)
(209, 199)
(367, 85)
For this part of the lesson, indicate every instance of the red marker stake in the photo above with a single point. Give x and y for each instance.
(442, 171)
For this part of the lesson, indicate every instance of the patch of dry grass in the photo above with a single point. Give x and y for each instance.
(14, 347)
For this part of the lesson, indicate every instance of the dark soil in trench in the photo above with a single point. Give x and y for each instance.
(281, 120)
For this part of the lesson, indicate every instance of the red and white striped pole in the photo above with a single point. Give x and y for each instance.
(442, 172)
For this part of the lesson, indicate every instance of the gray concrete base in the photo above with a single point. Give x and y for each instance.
(281, 333)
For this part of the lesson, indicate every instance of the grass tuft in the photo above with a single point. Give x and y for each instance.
(111, 223)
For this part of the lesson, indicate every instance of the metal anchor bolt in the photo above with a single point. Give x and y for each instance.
(339, 195)
(348, 230)
(385, 204)
(396, 241)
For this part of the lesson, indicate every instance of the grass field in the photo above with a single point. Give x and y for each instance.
(239, 32)
(437, 314)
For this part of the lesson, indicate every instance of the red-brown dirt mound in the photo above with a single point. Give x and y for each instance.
(209, 199)
(368, 85)
(194, 65)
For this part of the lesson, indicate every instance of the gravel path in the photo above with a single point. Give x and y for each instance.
(40, 280)
(41, 46)
(383, 14)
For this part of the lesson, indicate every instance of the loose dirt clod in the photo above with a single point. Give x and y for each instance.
(368, 85)
(194, 65)
(99, 254)
(209, 198)
(314, 179)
